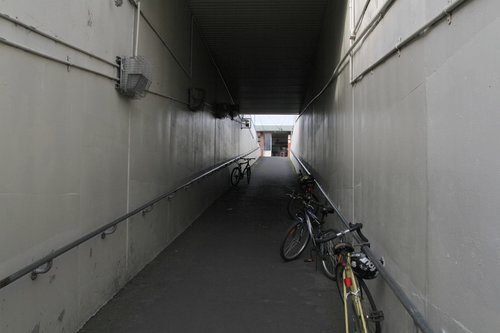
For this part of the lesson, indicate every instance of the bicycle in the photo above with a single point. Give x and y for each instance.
(309, 226)
(240, 170)
(361, 314)
(295, 204)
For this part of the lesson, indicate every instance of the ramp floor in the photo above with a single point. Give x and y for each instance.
(225, 274)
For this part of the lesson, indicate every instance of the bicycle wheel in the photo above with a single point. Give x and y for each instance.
(249, 174)
(372, 316)
(296, 240)
(235, 176)
(353, 321)
(328, 259)
(339, 271)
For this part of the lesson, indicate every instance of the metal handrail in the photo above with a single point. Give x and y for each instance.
(40, 266)
(412, 310)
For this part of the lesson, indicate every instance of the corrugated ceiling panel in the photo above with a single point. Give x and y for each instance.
(265, 48)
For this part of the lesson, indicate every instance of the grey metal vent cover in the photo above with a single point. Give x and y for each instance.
(135, 76)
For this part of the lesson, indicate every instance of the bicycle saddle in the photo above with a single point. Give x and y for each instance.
(325, 210)
(343, 247)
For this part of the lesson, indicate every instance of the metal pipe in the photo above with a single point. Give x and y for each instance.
(412, 310)
(219, 72)
(55, 39)
(137, 22)
(414, 36)
(49, 57)
(369, 28)
(363, 12)
(168, 97)
(48, 258)
(352, 36)
(214, 63)
(160, 38)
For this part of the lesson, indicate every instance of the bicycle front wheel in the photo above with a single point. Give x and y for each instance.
(235, 176)
(328, 259)
(296, 240)
(249, 174)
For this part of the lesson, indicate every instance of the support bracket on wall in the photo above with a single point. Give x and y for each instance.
(109, 231)
(41, 270)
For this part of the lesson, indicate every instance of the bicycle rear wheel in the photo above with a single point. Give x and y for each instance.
(235, 176)
(353, 320)
(249, 174)
(296, 240)
(372, 316)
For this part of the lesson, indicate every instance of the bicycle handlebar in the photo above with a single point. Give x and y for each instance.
(352, 227)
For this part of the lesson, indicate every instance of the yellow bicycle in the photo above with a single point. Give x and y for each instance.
(360, 312)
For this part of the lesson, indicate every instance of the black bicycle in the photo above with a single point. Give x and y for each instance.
(309, 226)
(242, 169)
(305, 193)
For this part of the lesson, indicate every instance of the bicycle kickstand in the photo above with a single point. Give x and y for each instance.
(311, 258)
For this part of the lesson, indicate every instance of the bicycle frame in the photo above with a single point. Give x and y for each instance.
(308, 214)
(240, 170)
(351, 288)
(353, 291)
(246, 164)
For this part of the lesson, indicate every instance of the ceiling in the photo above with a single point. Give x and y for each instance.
(264, 48)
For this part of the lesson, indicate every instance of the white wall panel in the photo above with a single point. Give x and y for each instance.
(76, 155)
(419, 135)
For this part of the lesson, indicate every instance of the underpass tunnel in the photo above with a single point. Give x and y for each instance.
(121, 121)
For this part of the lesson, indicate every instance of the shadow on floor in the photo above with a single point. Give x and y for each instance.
(225, 274)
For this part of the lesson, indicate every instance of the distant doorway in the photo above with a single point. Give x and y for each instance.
(280, 144)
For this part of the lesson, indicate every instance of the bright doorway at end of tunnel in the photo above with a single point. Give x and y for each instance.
(274, 133)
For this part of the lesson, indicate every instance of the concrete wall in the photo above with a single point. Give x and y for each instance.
(75, 154)
(411, 151)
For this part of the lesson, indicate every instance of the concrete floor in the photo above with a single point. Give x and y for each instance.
(225, 274)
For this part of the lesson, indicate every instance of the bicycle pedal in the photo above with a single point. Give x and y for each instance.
(308, 260)
(376, 316)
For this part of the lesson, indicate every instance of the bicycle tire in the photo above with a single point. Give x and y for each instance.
(235, 176)
(249, 174)
(295, 241)
(354, 324)
(328, 259)
(367, 303)
(369, 307)
(340, 282)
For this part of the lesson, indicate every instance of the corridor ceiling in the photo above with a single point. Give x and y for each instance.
(265, 49)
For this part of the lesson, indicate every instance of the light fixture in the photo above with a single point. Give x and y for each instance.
(196, 99)
(135, 76)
